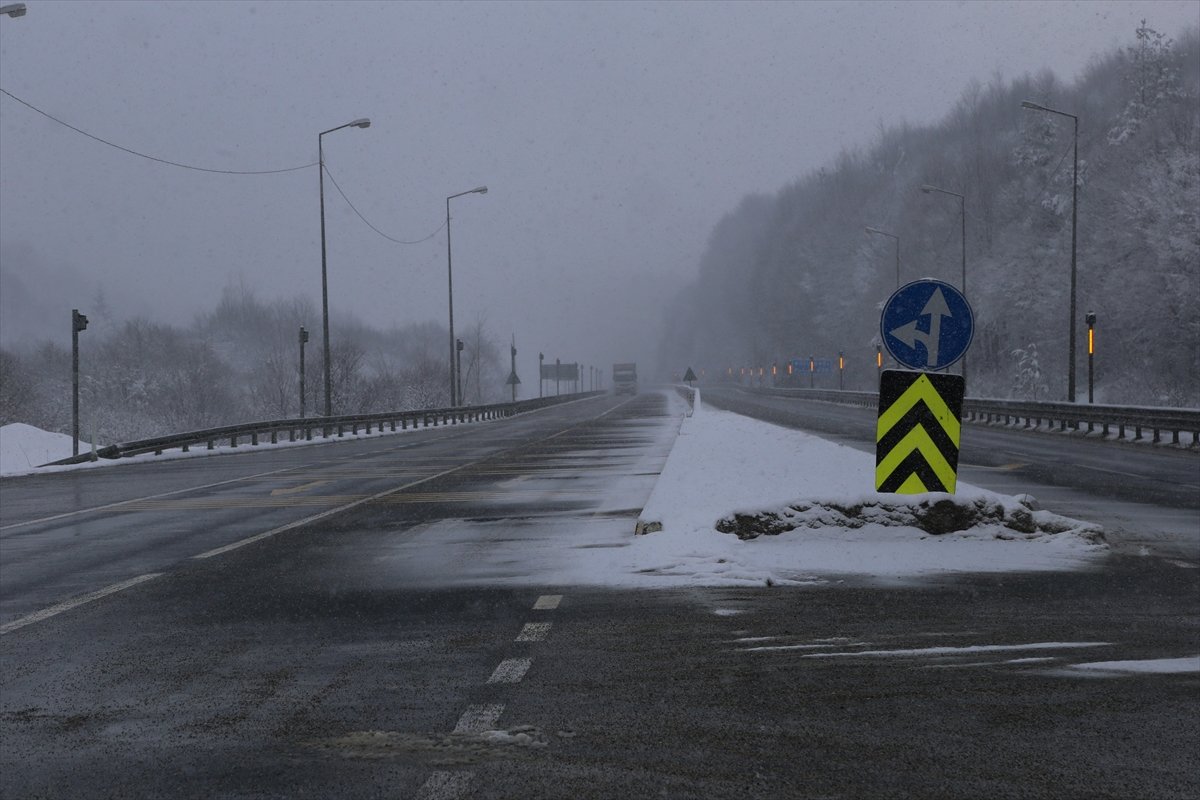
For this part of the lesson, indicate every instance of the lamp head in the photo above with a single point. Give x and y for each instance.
(926, 188)
(361, 123)
(14, 10)
(479, 190)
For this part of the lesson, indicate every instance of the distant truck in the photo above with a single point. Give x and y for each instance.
(624, 378)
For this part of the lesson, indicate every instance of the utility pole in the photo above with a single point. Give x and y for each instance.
(557, 376)
(458, 347)
(78, 323)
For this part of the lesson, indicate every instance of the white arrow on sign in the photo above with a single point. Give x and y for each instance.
(936, 308)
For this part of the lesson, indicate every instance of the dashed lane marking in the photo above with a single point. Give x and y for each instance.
(477, 719)
(443, 785)
(547, 602)
(75, 602)
(533, 632)
(510, 670)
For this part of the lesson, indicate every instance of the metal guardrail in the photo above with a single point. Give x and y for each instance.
(1071, 417)
(324, 427)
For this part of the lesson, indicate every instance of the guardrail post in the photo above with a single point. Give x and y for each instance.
(210, 444)
(184, 449)
(233, 441)
(1157, 437)
(254, 438)
(341, 429)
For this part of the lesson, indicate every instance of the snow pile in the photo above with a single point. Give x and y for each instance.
(812, 500)
(23, 448)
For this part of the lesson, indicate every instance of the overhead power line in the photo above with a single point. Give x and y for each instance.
(93, 137)
(368, 223)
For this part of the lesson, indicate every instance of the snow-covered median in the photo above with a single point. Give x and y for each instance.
(796, 508)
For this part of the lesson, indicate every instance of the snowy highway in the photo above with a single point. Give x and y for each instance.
(466, 613)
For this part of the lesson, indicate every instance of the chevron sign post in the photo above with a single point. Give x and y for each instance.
(917, 436)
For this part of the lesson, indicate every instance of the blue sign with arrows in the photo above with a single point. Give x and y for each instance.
(927, 325)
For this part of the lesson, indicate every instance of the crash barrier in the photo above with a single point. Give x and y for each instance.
(1130, 423)
(305, 429)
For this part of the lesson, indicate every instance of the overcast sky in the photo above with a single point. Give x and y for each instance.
(611, 136)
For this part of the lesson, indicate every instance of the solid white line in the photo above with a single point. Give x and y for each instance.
(547, 602)
(67, 605)
(477, 719)
(315, 517)
(510, 670)
(443, 785)
(120, 503)
(533, 632)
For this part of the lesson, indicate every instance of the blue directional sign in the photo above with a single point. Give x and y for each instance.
(927, 325)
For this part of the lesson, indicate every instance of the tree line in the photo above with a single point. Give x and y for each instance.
(237, 363)
(795, 273)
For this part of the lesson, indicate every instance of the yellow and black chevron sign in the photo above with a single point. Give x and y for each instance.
(918, 432)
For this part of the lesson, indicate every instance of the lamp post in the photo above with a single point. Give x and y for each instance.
(14, 10)
(962, 210)
(890, 236)
(541, 373)
(358, 123)
(1091, 323)
(303, 341)
(1074, 226)
(458, 347)
(79, 322)
(454, 399)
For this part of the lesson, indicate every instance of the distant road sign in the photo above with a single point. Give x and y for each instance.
(927, 325)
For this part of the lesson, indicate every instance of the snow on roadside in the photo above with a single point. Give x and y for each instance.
(725, 464)
(23, 448)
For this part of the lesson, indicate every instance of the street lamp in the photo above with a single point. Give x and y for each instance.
(890, 236)
(450, 283)
(962, 210)
(14, 10)
(358, 123)
(1074, 226)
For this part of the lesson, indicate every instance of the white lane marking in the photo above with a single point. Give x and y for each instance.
(477, 719)
(533, 632)
(67, 605)
(315, 517)
(762, 648)
(547, 602)
(120, 503)
(510, 670)
(443, 785)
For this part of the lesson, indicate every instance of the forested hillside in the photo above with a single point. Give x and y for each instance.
(796, 274)
(237, 363)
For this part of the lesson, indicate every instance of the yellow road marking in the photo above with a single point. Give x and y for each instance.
(294, 489)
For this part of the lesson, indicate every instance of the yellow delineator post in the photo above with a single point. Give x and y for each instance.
(918, 433)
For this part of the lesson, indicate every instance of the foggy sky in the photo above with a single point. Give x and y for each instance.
(612, 137)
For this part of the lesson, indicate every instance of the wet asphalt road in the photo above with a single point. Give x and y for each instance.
(319, 663)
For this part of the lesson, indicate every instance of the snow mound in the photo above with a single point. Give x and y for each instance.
(23, 448)
(801, 507)
(933, 513)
